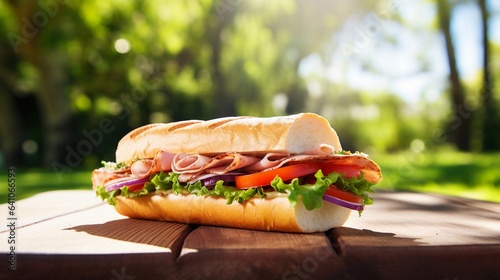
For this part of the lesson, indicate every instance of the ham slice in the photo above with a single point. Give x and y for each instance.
(189, 163)
(225, 163)
(192, 168)
(277, 160)
(145, 167)
(220, 164)
(141, 167)
(323, 149)
(102, 176)
(268, 161)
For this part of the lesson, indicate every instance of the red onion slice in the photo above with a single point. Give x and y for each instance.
(343, 203)
(131, 182)
(213, 180)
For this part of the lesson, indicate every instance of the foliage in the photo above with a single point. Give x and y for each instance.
(136, 62)
(445, 171)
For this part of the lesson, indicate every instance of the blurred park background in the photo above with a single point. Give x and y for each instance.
(413, 83)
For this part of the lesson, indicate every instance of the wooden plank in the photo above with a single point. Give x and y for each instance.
(404, 232)
(422, 262)
(227, 253)
(93, 242)
(428, 220)
(397, 236)
(99, 266)
(51, 204)
(473, 203)
(71, 231)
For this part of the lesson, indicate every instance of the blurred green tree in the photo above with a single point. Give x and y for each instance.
(136, 62)
(490, 117)
(67, 69)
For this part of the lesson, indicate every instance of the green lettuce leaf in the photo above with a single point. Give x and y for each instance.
(107, 196)
(310, 194)
(169, 181)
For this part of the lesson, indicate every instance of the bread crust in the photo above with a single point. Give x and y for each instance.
(294, 134)
(275, 214)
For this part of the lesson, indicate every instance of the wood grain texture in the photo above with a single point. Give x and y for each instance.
(227, 253)
(71, 235)
(421, 236)
(427, 219)
(51, 204)
(89, 241)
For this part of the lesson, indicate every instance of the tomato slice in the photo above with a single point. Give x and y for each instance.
(344, 195)
(136, 187)
(327, 168)
(264, 178)
(349, 170)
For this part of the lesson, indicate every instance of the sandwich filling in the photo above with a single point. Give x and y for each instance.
(340, 177)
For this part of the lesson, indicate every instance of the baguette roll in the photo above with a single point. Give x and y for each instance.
(303, 137)
(294, 134)
(268, 214)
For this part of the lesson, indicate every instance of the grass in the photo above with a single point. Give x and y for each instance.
(454, 173)
(447, 172)
(33, 181)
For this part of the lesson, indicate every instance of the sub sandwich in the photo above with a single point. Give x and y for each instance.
(286, 173)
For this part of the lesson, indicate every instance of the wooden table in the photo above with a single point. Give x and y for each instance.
(72, 235)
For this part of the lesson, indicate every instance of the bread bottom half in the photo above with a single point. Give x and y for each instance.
(268, 214)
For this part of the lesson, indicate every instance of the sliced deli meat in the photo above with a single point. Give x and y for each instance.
(189, 163)
(225, 163)
(194, 167)
(220, 164)
(268, 161)
(231, 149)
(141, 167)
(102, 176)
(162, 161)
